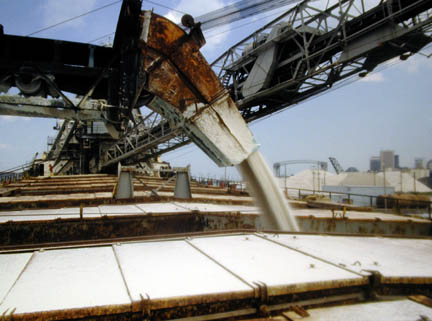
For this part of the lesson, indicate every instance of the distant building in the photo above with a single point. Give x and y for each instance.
(396, 161)
(419, 163)
(387, 158)
(375, 164)
(429, 166)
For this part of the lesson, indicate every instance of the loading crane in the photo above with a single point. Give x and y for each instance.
(307, 50)
(310, 49)
(337, 167)
(108, 84)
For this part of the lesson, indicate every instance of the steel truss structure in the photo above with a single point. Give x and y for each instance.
(312, 47)
(306, 51)
(151, 137)
(277, 166)
(316, 47)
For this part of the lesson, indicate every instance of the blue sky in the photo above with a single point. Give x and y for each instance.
(390, 109)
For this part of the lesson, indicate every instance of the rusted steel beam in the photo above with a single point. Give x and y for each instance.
(234, 305)
(258, 301)
(119, 226)
(100, 242)
(53, 185)
(422, 299)
(365, 226)
(105, 198)
(163, 237)
(107, 187)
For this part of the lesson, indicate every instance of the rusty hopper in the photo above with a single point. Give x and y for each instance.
(187, 92)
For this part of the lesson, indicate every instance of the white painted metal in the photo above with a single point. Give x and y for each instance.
(76, 210)
(125, 187)
(38, 212)
(161, 208)
(42, 107)
(262, 70)
(120, 209)
(392, 257)
(208, 208)
(171, 269)
(357, 215)
(368, 42)
(68, 210)
(218, 128)
(29, 212)
(68, 279)
(257, 259)
(182, 186)
(91, 210)
(110, 210)
(11, 266)
(222, 127)
(146, 26)
(48, 214)
(163, 269)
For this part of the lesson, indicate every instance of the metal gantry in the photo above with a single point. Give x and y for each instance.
(309, 49)
(314, 47)
(335, 163)
(61, 141)
(152, 136)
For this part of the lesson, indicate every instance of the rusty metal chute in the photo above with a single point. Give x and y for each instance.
(188, 91)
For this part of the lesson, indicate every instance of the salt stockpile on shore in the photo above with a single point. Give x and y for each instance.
(313, 179)
(404, 182)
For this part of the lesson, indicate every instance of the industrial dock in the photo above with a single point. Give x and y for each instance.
(101, 226)
(69, 250)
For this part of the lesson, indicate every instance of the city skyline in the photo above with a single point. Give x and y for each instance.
(389, 160)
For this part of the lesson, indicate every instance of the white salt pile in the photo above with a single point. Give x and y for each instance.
(404, 182)
(316, 179)
(308, 179)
